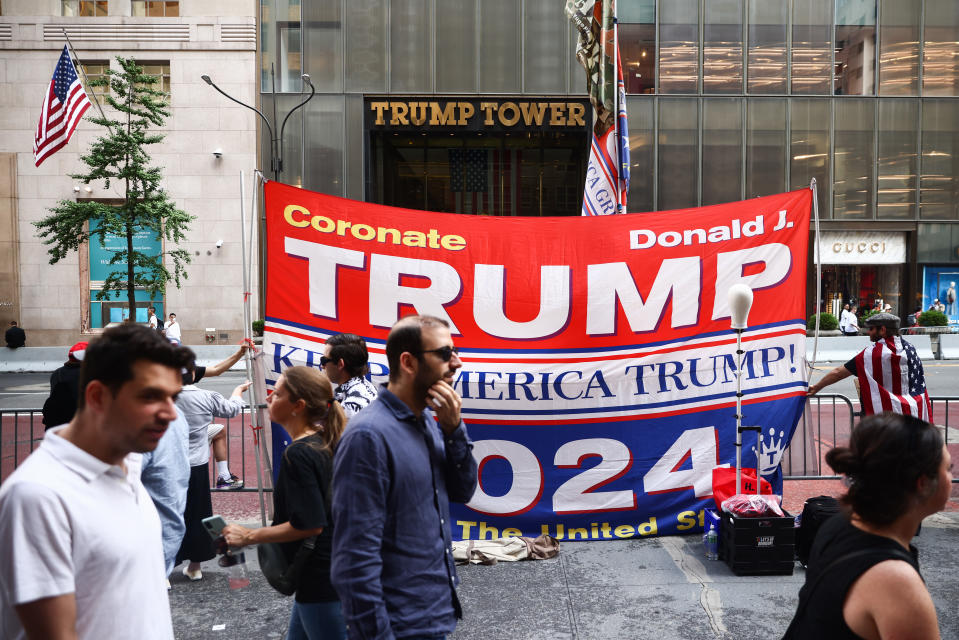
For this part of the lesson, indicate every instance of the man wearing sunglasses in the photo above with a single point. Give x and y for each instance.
(889, 372)
(345, 360)
(399, 464)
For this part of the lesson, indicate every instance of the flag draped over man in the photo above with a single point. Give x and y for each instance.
(607, 174)
(890, 382)
(63, 106)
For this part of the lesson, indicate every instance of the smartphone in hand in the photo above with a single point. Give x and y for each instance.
(214, 525)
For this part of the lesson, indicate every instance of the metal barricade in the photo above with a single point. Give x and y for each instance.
(21, 431)
(826, 420)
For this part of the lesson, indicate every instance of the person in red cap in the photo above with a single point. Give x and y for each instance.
(64, 389)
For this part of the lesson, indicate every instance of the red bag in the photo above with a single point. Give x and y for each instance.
(724, 484)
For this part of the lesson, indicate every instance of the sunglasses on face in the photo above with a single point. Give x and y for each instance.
(325, 361)
(444, 353)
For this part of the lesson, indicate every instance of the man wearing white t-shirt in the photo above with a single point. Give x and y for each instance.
(80, 547)
(171, 329)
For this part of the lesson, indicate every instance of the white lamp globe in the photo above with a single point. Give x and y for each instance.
(740, 301)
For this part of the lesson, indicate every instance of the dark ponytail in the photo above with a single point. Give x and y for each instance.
(886, 456)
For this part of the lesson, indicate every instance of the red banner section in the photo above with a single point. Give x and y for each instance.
(575, 334)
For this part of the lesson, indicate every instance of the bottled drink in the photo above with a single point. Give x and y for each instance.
(712, 543)
(237, 570)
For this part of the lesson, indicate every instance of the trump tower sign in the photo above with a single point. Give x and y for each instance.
(599, 368)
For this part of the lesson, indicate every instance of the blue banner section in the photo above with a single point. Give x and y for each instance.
(617, 479)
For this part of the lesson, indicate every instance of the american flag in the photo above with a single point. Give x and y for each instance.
(485, 181)
(64, 105)
(889, 382)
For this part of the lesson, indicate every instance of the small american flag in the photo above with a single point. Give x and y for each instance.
(889, 382)
(64, 105)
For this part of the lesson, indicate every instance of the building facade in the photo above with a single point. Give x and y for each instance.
(474, 106)
(176, 41)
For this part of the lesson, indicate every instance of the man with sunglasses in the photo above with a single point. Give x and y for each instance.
(889, 372)
(345, 360)
(396, 469)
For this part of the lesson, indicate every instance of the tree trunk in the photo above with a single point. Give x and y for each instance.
(131, 290)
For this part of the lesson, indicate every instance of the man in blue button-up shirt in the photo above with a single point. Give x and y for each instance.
(396, 469)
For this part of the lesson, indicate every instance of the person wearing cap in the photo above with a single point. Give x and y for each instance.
(889, 372)
(64, 389)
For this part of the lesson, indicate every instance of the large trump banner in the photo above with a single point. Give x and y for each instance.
(599, 368)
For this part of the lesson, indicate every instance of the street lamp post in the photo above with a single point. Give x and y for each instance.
(276, 141)
(740, 301)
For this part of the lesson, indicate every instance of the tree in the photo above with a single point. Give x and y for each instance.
(121, 156)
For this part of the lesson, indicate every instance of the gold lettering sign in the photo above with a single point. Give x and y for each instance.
(477, 114)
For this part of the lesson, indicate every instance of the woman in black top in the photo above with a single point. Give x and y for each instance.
(303, 403)
(863, 578)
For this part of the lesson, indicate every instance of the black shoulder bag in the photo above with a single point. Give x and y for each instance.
(282, 575)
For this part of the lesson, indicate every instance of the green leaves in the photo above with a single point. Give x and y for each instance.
(121, 157)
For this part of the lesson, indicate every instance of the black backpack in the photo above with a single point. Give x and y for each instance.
(814, 513)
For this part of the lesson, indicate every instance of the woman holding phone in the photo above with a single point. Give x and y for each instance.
(303, 403)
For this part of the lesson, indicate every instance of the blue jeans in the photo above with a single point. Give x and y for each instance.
(316, 621)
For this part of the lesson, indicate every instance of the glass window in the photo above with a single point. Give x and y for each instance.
(410, 35)
(641, 169)
(723, 46)
(939, 183)
(722, 150)
(95, 70)
(678, 153)
(546, 58)
(809, 146)
(679, 46)
(855, 157)
(366, 45)
(324, 145)
(280, 45)
(812, 46)
(323, 44)
(898, 128)
(456, 45)
(83, 8)
(934, 243)
(855, 48)
(765, 147)
(899, 48)
(292, 149)
(500, 46)
(155, 8)
(637, 46)
(940, 59)
(159, 70)
(766, 69)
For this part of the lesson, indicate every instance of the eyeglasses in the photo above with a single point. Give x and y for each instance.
(325, 361)
(445, 353)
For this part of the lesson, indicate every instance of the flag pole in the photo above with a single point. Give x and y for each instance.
(616, 132)
(86, 80)
(815, 209)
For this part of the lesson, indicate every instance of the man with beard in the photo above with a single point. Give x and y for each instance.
(392, 562)
(80, 549)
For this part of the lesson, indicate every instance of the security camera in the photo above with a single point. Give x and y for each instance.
(218, 153)
(219, 243)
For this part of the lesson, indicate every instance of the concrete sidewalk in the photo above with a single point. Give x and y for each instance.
(660, 588)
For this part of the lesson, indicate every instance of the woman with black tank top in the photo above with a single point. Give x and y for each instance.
(302, 401)
(863, 578)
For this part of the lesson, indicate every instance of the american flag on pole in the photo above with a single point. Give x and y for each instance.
(607, 173)
(63, 106)
(890, 382)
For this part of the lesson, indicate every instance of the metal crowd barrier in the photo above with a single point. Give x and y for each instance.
(826, 421)
(21, 431)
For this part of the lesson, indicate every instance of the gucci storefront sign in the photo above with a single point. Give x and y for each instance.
(862, 247)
